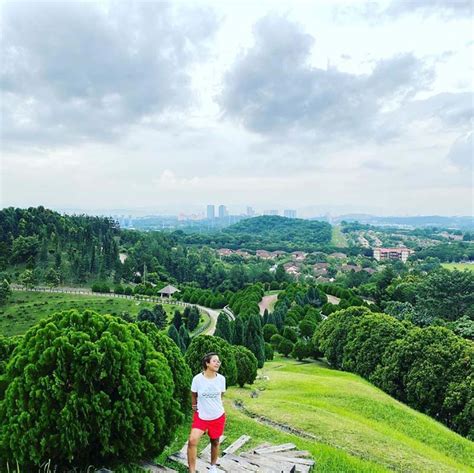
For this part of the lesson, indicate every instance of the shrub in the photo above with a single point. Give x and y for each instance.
(246, 365)
(285, 347)
(85, 388)
(268, 352)
(268, 331)
(301, 350)
(203, 344)
(179, 368)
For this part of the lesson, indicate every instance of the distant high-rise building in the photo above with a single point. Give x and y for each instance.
(250, 212)
(211, 212)
(222, 211)
(270, 212)
(289, 213)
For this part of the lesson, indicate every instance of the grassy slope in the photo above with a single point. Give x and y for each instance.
(459, 266)
(24, 309)
(351, 418)
(338, 239)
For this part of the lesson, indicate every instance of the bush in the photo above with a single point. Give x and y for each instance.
(85, 389)
(268, 331)
(179, 368)
(269, 353)
(301, 350)
(290, 334)
(246, 365)
(285, 347)
(203, 344)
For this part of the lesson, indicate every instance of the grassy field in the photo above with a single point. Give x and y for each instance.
(24, 309)
(459, 266)
(338, 239)
(358, 427)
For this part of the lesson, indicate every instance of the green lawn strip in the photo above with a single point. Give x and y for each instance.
(338, 239)
(459, 266)
(25, 309)
(349, 413)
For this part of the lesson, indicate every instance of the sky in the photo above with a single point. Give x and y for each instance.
(320, 106)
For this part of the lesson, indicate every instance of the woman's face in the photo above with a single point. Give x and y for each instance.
(214, 363)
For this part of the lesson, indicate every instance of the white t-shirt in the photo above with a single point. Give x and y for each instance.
(209, 400)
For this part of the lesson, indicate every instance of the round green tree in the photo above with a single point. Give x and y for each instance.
(246, 365)
(85, 389)
(203, 344)
(179, 369)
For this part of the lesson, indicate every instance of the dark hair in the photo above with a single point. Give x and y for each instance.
(206, 359)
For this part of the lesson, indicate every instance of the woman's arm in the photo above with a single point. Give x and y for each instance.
(194, 400)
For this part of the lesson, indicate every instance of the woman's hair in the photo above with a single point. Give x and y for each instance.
(206, 359)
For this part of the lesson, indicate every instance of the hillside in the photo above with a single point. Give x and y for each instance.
(357, 426)
(272, 229)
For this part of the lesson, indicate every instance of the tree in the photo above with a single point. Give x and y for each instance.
(177, 319)
(280, 274)
(179, 369)
(193, 318)
(92, 388)
(300, 350)
(239, 331)
(307, 328)
(174, 335)
(160, 317)
(285, 347)
(27, 278)
(223, 327)
(25, 249)
(246, 365)
(268, 352)
(203, 344)
(52, 277)
(5, 292)
(290, 334)
(425, 368)
(184, 336)
(254, 339)
(268, 331)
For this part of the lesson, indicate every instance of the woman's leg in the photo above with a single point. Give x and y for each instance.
(193, 441)
(214, 450)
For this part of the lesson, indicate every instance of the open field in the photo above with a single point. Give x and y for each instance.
(350, 418)
(24, 309)
(459, 266)
(338, 238)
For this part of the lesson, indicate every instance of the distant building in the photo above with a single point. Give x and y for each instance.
(168, 291)
(299, 255)
(288, 213)
(270, 212)
(211, 212)
(250, 212)
(392, 253)
(222, 211)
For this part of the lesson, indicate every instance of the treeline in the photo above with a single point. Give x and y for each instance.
(58, 247)
(430, 369)
(448, 252)
(267, 233)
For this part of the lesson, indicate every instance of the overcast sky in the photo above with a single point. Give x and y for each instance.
(320, 106)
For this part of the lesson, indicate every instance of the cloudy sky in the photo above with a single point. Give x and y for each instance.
(339, 106)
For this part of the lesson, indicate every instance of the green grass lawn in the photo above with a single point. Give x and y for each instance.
(24, 309)
(459, 266)
(358, 427)
(338, 239)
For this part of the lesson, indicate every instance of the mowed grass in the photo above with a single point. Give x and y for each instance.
(350, 419)
(458, 266)
(24, 309)
(338, 239)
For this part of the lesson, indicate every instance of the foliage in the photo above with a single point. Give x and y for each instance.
(157, 315)
(179, 369)
(5, 292)
(91, 389)
(203, 344)
(285, 347)
(246, 365)
(254, 339)
(224, 328)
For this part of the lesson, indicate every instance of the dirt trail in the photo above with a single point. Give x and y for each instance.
(267, 302)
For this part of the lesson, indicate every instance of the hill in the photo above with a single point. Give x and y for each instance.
(357, 427)
(271, 231)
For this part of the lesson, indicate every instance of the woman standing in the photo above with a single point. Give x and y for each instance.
(207, 390)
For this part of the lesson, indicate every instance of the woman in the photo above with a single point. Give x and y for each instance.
(207, 390)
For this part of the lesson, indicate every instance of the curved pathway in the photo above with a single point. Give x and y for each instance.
(267, 302)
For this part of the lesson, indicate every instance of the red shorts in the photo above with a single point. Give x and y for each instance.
(214, 427)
